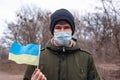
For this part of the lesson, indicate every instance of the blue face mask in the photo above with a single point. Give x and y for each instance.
(63, 38)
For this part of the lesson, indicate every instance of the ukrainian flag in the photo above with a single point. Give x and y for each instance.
(28, 54)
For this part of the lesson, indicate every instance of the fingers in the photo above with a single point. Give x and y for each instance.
(38, 75)
(35, 74)
(36, 70)
(41, 76)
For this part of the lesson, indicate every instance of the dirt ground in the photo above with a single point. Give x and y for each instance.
(8, 76)
(11, 71)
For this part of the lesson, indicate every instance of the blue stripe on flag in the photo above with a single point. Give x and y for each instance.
(30, 49)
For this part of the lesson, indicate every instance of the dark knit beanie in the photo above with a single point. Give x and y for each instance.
(62, 15)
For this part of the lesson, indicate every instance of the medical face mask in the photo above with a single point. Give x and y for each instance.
(63, 38)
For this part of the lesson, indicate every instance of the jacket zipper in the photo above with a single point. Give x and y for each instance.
(63, 49)
(60, 60)
(59, 69)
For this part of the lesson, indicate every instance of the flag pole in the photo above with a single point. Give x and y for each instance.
(38, 57)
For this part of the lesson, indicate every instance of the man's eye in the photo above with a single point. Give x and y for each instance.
(57, 28)
(66, 27)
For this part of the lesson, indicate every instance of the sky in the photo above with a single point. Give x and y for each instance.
(8, 8)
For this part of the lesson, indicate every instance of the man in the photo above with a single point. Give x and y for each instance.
(62, 58)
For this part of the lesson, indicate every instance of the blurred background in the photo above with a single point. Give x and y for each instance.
(97, 31)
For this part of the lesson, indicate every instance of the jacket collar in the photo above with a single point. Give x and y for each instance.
(62, 49)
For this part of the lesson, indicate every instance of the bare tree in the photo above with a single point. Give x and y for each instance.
(104, 27)
(30, 23)
(113, 14)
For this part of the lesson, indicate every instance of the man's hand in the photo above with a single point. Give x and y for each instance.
(38, 75)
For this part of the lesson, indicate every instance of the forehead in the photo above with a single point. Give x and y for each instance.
(62, 22)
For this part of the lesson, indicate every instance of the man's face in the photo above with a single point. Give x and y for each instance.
(62, 26)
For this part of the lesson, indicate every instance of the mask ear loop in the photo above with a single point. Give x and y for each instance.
(72, 43)
(53, 42)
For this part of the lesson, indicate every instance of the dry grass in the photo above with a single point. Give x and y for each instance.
(109, 71)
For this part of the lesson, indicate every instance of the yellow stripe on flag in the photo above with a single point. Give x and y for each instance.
(24, 59)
